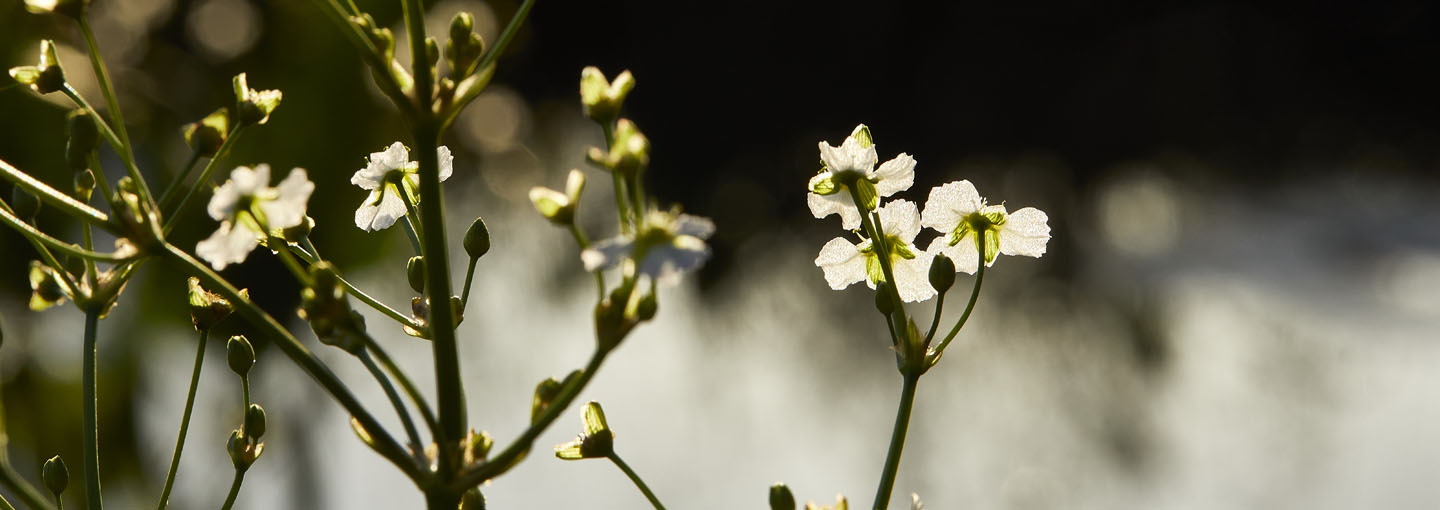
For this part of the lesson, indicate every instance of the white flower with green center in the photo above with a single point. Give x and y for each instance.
(670, 245)
(852, 164)
(387, 175)
(248, 209)
(845, 262)
(960, 214)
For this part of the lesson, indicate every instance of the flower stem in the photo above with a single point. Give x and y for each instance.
(897, 441)
(585, 243)
(405, 383)
(654, 501)
(184, 419)
(172, 216)
(55, 198)
(116, 118)
(5, 504)
(416, 446)
(882, 250)
(91, 444)
(35, 235)
(378, 65)
(234, 490)
(350, 288)
(969, 307)
(179, 181)
(469, 280)
(28, 494)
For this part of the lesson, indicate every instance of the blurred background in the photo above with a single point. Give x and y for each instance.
(1238, 307)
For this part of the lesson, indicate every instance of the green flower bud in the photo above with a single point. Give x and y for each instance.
(477, 446)
(472, 500)
(56, 475)
(243, 450)
(942, 273)
(47, 76)
(254, 421)
(46, 288)
(415, 271)
(323, 304)
(207, 308)
(461, 26)
(84, 184)
(781, 498)
(240, 355)
(205, 136)
(883, 302)
(629, 153)
(600, 98)
(646, 308)
(254, 106)
(71, 8)
(597, 441)
(432, 51)
(477, 239)
(84, 139)
(25, 205)
(545, 393)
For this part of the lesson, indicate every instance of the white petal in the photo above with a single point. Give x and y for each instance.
(964, 254)
(665, 263)
(694, 226)
(842, 262)
(447, 162)
(288, 209)
(836, 203)
(222, 203)
(228, 245)
(912, 278)
(373, 215)
(949, 204)
(381, 163)
(900, 219)
(848, 157)
(606, 253)
(250, 182)
(1025, 232)
(895, 175)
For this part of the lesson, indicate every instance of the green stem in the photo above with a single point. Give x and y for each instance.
(585, 243)
(55, 198)
(234, 490)
(179, 180)
(184, 420)
(245, 392)
(288, 259)
(412, 234)
(877, 237)
(306, 360)
(59, 502)
(506, 459)
(485, 67)
(45, 256)
(368, 53)
(935, 324)
(405, 383)
(969, 307)
(350, 288)
(28, 494)
(654, 501)
(172, 216)
(469, 280)
(35, 235)
(101, 183)
(5, 504)
(116, 117)
(91, 444)
(414, 435)
(897, 441)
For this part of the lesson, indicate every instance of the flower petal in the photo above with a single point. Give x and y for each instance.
(228, 245)
(963, 254)
(949, 204)
(447, 162)
(848, 157)
(900, 219)
(1025, 232)
(837, 203)
(288, 208)
(665, 263)
(694, 226)
(842, 263)
(895, 175)
(606, 253)
(380, 210)
(912, 278)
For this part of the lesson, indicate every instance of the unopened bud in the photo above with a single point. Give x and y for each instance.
(84, 184)
(942, 273)
(781, 498)
(646, 308)
(240, 355)
(472, 500)
(84, 138)
(206, 308)
(206, 135)
(415, 271)
(461, 26)
(477, 239)
(255, 421)
(26, 205)
(883, 302)
(601, 98)
(56, 475)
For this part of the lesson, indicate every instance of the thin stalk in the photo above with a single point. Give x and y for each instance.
(637, 195)
(383, 443)
(245, 391)
(640, 484)
(288, 259)
(416, 446)
(506, 459)
(91, 444)
(897, 441)
(116, 118)
(5, 504)
(184, 419)
(585, 243)
(59, 502)
(234, 490)
(87, 240)
(35, 235)
(57, 199)
(412, 235)
(935, 324)
(101, 183)
(28, 493)
(405, 383)
(469, 280)
(179, 180)
(48, 258)
(350, 288)
(969, 307)
(172, 216)
(368, 53)
(485, 67)
(877, 237)
(412, 215)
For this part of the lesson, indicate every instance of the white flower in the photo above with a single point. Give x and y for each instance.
(854, 162)
(671, 244)
(247, 207)
(958, 212)
(845, 263)
(384, 176)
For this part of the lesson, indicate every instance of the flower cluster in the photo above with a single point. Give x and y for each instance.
(393, 181)
(249, 211)
(849, 185)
